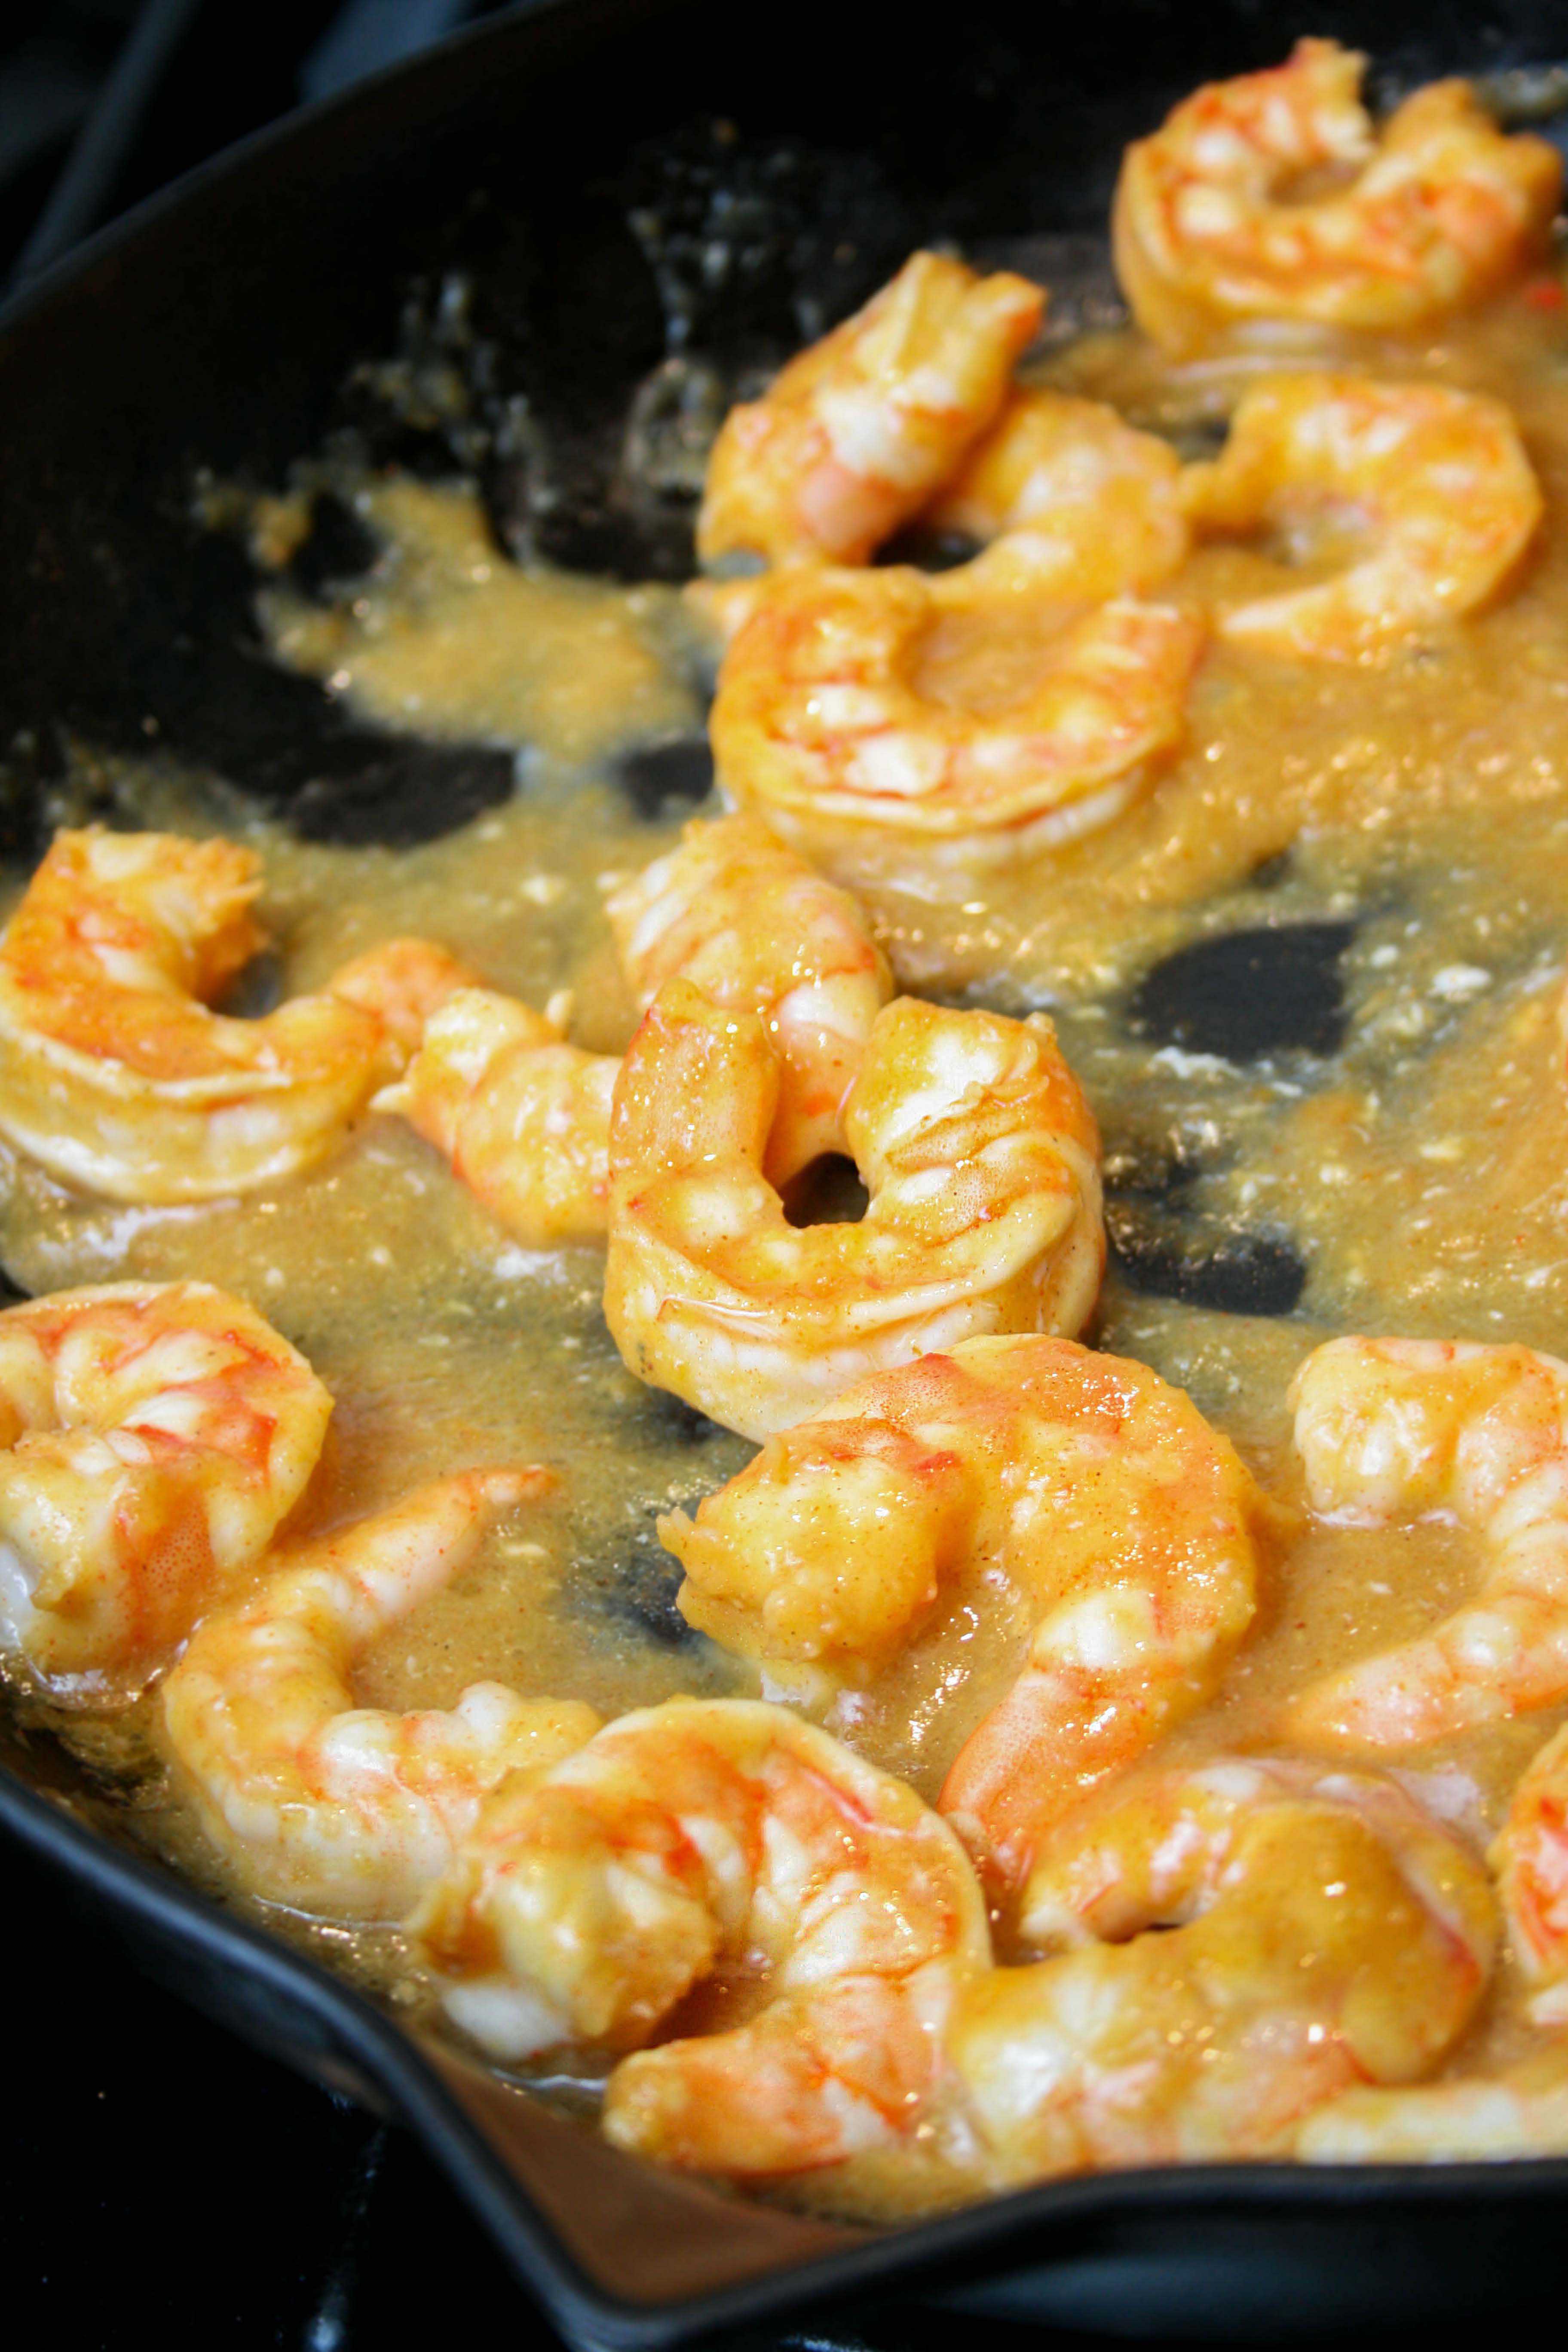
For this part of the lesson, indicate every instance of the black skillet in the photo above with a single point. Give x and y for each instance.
(616, 182)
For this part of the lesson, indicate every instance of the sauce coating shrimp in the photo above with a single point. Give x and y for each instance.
(342, 1811)
(1212, 226)
(114, 1074)
(1083, 1478)
(1529, 1855)
(1435, 483)
(853, 436)
(1410, 1428)
(758, 930)
(823, 723)
(1320, 1930)
(522, 1115)
(154, 1435)
(1523, 2111)
(692, 1841)
(981, 1158)
(1076, 502)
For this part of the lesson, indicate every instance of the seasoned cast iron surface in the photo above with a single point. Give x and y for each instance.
(600, 276)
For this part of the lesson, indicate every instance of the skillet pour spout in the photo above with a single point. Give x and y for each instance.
(560, 163)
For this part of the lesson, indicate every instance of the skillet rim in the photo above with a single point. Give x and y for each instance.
(359, 2048)
(350, 2042)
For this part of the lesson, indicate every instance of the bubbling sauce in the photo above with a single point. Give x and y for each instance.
(1417, 1171)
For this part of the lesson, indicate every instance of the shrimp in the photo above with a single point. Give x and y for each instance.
(1076, 502)
(702, 1840)
(522, 1115)
(1394, 1428)
(754, 928)
(333, 1809)
(1529, 1856)
(154, 1435)
(855, 433)
(981, 1158)
(1523, 2111)
(1130, 1525)
(1432, 485)
(1215, 224)
(823, 724)
(115, 1076)
(1321, 1931)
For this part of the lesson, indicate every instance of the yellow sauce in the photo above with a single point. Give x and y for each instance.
(449, 638)
(1421, 1172)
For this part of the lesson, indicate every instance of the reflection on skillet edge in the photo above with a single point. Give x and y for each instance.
(1308, 981)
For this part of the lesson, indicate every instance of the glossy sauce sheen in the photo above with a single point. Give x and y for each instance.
(1414, 810)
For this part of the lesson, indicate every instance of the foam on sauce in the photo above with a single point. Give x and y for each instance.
(1420, 1171)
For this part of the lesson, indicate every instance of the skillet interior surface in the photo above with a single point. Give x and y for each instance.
(565, 161)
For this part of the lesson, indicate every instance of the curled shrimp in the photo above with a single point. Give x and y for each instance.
(1212, 226)
(1391, 1429)
(1074, 500)
(981, 1158)
(1432, 486)
(758, 930)
(855, 433)
(1070, 500)
(1524, 2110)
(1320, 1930)
(115, 1076)
(522, 1115)
(154, 1435)
(1082, 1478)
(701, 1840)
(823, 723)
(333, 1809)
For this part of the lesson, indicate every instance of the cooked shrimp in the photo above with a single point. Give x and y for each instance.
(758, 930)
(1523, 2111)
(1084, 1480)
(855, 433)
(1216, 225)
(1072, 502)
(1529, 1856)
(400, 984)
(1432, 487)
(343, 1810)
(523, 1116)
(823, 724)
(704, 1840)
(1321, 1931)
(1077, 502)
(113, 1072)
(155, 1434)
(981, 1158)
(1409, 1428)
(720, 608)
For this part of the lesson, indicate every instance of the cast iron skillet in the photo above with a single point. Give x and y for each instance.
(221, 328)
